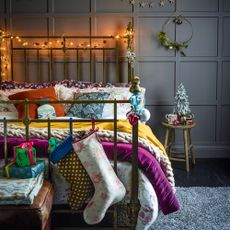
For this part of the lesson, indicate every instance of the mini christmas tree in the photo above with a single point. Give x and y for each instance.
(181, 103)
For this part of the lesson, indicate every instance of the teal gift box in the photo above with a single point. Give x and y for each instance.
(12, 170)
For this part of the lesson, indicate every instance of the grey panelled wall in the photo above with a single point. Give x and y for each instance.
(205, 71)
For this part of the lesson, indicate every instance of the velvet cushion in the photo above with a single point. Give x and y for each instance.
(36, 94)
(88, 110)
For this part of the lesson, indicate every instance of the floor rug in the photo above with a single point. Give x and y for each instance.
(202, 208)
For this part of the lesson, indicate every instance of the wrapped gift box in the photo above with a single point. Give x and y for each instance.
(12, 170)
(25, 154)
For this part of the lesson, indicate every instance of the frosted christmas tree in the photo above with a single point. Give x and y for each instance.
(181, 103)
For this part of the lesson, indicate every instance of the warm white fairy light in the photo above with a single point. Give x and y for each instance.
(5, 46)
(151, 3)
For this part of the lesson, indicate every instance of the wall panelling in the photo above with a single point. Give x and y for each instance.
(204, 70)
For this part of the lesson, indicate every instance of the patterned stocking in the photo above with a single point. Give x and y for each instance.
(108, 188)
(81, 186)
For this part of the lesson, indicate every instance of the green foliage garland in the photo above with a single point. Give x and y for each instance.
(166, 42)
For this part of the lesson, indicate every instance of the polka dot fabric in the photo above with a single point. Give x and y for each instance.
(81, 186)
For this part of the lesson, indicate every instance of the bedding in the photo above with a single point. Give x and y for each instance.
(6, 107)
(148, 164)
(147, 139)
(9, 115)
(88, 110)
(9, 85)
(148, 200)
(66, 89)
(36, 94)
(152, 160)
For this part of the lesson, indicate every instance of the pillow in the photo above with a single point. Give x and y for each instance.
(88, 110)
(36, 94)
(63, 93)
(6, 107)
(119, 93)
(9, 115)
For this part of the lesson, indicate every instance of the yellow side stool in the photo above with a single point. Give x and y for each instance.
(188, 145)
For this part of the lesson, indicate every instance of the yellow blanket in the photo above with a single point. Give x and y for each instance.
(144, 131)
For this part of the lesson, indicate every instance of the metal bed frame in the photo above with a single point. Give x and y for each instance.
(133, 206)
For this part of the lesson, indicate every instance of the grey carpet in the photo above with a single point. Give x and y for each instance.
(202, 208)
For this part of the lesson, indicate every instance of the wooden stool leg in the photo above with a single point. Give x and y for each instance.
(166, 139)
(171, 138)
(191, 148)
(186, 148)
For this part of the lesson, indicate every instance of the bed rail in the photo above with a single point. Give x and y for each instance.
(134, 203)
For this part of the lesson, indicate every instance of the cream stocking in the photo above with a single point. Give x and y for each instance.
(108, 188)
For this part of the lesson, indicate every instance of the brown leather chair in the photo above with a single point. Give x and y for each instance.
(33, 217)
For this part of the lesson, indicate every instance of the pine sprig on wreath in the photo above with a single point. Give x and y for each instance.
(166, 42)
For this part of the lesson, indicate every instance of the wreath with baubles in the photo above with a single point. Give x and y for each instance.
(171, 44)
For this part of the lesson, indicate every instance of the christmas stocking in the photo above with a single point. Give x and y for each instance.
(72, 170)
(108, 188)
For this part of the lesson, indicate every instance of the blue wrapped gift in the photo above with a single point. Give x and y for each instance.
(12, 170)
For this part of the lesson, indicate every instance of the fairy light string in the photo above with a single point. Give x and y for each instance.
(6, 37)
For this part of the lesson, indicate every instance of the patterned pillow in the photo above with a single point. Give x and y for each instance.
(88, 110)
(119, 93)
(6, 107)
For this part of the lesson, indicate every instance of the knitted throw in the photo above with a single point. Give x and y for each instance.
(104, 135)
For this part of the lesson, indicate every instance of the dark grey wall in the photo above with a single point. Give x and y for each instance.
(205, 71)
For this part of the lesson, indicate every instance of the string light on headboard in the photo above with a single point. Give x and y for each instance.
(3, 53)
(130, 54)
(7, 40)
(150, 4)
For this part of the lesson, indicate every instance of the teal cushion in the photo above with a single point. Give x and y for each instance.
(88, 110)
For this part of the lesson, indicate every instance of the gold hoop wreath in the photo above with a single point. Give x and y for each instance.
(171, 44)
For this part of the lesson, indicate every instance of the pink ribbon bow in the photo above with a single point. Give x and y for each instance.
(29, 145)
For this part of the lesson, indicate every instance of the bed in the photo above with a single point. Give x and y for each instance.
(138, 158)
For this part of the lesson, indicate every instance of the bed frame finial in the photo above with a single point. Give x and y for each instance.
(135, 85)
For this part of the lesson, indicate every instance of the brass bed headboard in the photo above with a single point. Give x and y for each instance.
(50, 58)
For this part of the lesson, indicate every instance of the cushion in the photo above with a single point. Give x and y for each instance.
(63, 93)
(33, 216)
(119, 93)
(36, 94)
(6, 107)
(88, 110)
